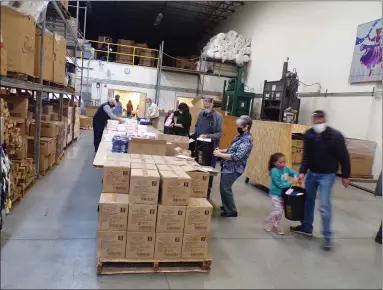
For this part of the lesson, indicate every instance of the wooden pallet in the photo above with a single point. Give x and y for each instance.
(86, 128)
(45, 172)
(30, 181)
(130, 266)
(61, 157)
(22, 76)
(57, 85)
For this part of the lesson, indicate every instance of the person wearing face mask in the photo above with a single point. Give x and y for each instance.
(183, 121)
(234, 163)
(324, 149)
(209, 125)
(100, 119)
(279, 174)
(153, 113)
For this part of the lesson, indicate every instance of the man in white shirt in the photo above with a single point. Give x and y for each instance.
(153, 113)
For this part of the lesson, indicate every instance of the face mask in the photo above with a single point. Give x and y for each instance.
(319, 128)
(240, 131)
(280, 165)
(180, 111)
(207, 111)
(112, 105)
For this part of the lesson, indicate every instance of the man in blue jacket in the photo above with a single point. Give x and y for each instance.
(209, 125)
(324, 149)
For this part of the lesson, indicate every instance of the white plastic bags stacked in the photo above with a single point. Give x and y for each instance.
(231, 46)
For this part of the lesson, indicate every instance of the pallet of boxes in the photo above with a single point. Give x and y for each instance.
(147, 56)
(14, 111)
(153, 216)
(86, 122)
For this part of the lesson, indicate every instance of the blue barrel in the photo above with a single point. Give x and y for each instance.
(294, 204)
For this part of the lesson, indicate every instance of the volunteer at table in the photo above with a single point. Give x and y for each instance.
(100, 119)
(209, 125)
(234, 163)
(153, 112)
(183, 120)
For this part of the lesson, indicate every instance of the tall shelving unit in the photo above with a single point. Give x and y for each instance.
(37, 90)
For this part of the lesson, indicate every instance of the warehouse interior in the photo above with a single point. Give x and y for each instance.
(167, 51)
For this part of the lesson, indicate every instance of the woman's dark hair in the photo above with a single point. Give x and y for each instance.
(183, 107)
(274, 158)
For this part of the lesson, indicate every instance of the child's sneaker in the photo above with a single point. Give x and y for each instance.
(268, 227)
(278, 230)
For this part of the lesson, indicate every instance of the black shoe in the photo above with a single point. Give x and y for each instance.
(222, 208)
(327, 245)
(300, 230)
(378, 239)
(223, 214)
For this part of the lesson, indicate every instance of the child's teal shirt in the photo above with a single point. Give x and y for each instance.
(279, 179)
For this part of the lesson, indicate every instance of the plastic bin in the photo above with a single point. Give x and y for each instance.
(294, 205)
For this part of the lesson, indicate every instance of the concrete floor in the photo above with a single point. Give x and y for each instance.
(49, 240)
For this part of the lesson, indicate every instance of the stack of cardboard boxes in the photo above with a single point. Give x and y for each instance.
(22, 42)
(76, 129)
(153, 208)
(125, 47)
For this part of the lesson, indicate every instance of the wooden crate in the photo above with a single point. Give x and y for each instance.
(229, 129)
(269, 138)
(131, 266)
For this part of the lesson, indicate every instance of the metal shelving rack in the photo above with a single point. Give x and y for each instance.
(38, 89)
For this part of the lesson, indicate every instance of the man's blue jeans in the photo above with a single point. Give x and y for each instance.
(225, 186)
(324, 183)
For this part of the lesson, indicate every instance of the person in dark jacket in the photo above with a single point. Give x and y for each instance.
(100, 119)
(324, 149)
(183, 120)
(209, 125)
(378, 192)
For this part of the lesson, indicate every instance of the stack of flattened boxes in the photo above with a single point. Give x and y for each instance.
(124, 47)
(147, 211)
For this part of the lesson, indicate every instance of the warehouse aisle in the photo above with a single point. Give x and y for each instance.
(49, 240)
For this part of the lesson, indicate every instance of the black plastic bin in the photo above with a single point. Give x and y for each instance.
(294, 205)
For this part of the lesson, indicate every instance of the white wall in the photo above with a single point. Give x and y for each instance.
(319, 38)
(147, 76)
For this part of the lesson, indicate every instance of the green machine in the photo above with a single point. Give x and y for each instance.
(235, 101)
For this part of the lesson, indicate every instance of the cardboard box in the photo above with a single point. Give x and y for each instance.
(45, 117)
(18, 33)
(144, 186)
(147, 146)
(54, 116)
(297, 157)
(200, 180)
(140, 245)
(21, 125)
(140, 157)
(142, 165)
(59, 58)
(106, 39)
(48, 109)
(86, 122)
(111, 244)
(118, 156)
(90, 111)
(170, 219)
(116, 176)
(52, 159)
(175, 188)
(361, 164)
(48, 129)
(44, 162)
(165, 167)
(48, 56)
(198, 216)
(113, 212)
(142, 217)
(168, 246)
(174, 141)
(17, 106)
(47, 146)
(195, 246)
(3, 62)
(21, 152)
